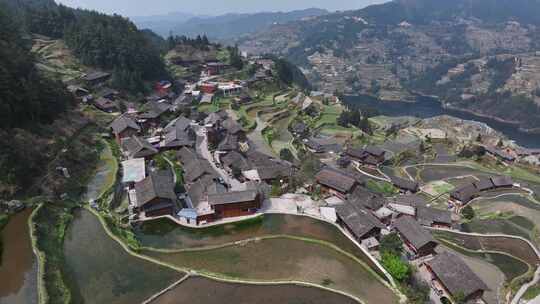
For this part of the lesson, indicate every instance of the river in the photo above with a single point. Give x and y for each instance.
(427, 107)
(18, 273)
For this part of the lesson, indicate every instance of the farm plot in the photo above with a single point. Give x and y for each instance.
(282, 259)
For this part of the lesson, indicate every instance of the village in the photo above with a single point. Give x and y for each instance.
(212, 154)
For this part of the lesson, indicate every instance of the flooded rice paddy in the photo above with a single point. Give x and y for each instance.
(282, 259)
(104, 176)
(166, 234)
(18, 272)
(98, 270)
(204, 291)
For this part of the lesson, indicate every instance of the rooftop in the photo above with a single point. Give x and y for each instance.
(336, 180)
(417, 235)
(455, 275)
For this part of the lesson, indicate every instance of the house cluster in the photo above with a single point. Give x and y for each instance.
(464, 194)
(368, 216)
(223, 176)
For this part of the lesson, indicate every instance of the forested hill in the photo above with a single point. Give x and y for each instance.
(26, 98)
(109, 42)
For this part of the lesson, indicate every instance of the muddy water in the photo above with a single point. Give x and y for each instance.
(18, 272)
(204, 291)
(98, 270)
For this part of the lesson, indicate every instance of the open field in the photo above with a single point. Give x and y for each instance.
(204, 291)
(98, 270)
(283, 259)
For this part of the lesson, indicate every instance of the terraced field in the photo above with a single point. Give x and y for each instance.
(283, 259)
(204, 291)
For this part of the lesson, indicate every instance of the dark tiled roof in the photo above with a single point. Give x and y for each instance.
(234, 159)
(138, 147)
(231, 126)
(196, 169)
(323, 145)
(405, 184)
(178, 138)
(413, 232)
(186, 155)
(455, 275)
(502, 181)
(124, 122)
(229, 143)
(276, 171)
(363, 197)
(484, 184)
(359, 220)
(375, 151)
(428, 216)
(95, 76)
(154, 109)
(179, 123)
(105, 104)
(465, 194)
(157, 185)
(410, 200)
(233, 197)
(336, 180)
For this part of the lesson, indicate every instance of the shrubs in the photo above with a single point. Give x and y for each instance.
(399, 269)
(286, 154)
(391, 243)
(468, 212)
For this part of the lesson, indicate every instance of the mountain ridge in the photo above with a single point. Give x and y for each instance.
(397, 49)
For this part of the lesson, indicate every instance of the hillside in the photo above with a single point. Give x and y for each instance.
(112, 43)
(400, 47)
(223, 27)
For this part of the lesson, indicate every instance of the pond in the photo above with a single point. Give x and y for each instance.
(18, 272)
(98, 270)
(204, 291)
(427, 107)
(283, 259)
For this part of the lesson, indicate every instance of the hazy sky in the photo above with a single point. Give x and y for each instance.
(210, 7)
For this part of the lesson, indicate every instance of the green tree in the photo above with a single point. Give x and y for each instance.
(468, 212)
(392, 244)
(399, 269)
(286, 154)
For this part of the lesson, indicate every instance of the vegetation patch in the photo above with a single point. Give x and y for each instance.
(4, 218)
(49, 225)
(385, 188)
(532, 292)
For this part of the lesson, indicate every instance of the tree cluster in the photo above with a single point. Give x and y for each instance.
(355, 118)
(108, 42)
(200, 42)
(26, 97)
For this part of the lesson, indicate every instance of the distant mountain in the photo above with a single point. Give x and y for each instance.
(226, 26)
(162, 24)
(476, 55)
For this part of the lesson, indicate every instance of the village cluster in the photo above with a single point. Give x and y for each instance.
(215, 174)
